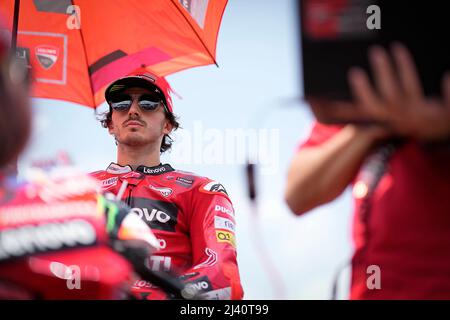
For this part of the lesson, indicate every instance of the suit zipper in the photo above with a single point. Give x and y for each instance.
(129, 198)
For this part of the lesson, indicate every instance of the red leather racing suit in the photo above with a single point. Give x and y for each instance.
(193, 219)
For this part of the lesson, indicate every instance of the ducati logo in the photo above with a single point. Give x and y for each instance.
(46, 55)
(164, 191)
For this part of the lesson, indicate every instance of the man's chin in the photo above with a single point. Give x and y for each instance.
(134, 140)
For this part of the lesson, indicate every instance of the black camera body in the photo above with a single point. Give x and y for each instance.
(336, 35)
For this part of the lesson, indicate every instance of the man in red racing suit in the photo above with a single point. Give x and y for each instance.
(191, 216)
(193, 219)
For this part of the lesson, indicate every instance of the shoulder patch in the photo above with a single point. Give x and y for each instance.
(213, 187)
(185, 181)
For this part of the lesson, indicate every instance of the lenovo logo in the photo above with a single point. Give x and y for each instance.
(153, 171)
(154, 215)
(157, 214)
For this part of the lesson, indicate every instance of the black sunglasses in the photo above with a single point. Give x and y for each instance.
(147, 102)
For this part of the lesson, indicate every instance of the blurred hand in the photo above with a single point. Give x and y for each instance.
(397, 101)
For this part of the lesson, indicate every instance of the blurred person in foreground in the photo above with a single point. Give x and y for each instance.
(192, 216)
(400, 171)
(56, 232)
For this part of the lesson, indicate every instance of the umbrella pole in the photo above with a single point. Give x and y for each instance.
(15, 24)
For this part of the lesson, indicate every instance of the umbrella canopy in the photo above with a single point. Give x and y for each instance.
(77, 47)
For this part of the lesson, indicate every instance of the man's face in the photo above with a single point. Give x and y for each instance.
(137, 127)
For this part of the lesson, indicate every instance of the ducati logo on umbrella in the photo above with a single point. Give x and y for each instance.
(46, 55)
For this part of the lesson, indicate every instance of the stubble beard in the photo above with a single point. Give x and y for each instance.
(135, 139)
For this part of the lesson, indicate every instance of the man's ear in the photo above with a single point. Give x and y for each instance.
(110, 128)
(168, 127)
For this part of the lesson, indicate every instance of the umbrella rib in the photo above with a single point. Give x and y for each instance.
(15, 25)
(196, 33)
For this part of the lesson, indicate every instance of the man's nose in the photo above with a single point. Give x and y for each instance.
(134, 108)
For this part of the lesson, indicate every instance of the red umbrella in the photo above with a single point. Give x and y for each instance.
(77, 47)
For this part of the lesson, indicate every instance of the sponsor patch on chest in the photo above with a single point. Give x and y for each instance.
(109, 182)
(164, 191)
(161, 215)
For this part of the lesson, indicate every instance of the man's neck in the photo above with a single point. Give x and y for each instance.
(134, 156)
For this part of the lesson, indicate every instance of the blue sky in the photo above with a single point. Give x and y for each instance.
(247, 104)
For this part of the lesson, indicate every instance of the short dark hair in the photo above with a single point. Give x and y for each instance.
(166, 143)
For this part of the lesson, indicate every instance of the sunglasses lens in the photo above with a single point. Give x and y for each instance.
(121, 105)
(146, 102)
(149, 102)
(148, 105)
(120, 102)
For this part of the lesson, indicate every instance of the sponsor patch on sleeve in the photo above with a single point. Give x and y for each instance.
(225, 236)
(224, 223)
(213, 187)
(223, 209)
